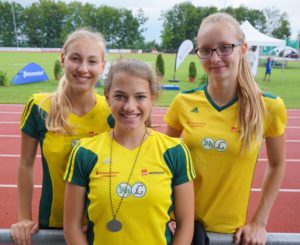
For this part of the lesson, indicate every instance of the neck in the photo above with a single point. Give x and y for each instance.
(222, 93)
(82, 103)
(131, 139)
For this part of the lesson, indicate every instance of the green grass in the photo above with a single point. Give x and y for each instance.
(285, 83)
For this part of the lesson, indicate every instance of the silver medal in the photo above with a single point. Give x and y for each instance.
(114, 225)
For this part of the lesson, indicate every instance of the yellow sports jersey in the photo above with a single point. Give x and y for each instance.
(163, 163)
(55, 149)
(223, 183)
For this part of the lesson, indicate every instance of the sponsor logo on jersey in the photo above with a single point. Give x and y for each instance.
(74, 142)
(209, 144)
(196, 124)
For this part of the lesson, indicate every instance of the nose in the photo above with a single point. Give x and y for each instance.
(214, 56)
(130, 105)
(83, 67)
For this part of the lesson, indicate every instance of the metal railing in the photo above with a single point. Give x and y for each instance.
(56, 237)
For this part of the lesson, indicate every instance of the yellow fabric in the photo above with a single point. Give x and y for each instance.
(55, 149)
(163, 162)
(224, 177)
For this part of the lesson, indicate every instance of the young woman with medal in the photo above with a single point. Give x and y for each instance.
(56, 121)
(130, 178)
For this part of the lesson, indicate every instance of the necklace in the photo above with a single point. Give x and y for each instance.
(115, 225)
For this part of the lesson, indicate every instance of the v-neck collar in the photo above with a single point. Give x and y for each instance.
(218, 108)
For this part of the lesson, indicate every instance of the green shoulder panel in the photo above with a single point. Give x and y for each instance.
(190, 91)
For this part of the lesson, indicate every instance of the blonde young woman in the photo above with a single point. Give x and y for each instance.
(130, 178)
(224, 125)
(56, 122)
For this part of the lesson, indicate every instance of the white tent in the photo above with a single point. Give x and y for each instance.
(256, 38)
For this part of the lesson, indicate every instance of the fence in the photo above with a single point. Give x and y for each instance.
(50, 237)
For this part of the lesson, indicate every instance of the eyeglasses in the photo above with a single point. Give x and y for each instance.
(222, 50)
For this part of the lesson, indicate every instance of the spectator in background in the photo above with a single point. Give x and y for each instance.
(268, 70)
(56, 121)
(224, 124)
(253, 59)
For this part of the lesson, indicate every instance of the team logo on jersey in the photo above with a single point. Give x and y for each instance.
(195, 109)
(219, 145)
(123, 190)
(137, 190)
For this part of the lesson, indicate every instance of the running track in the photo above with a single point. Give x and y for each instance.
(285, 215)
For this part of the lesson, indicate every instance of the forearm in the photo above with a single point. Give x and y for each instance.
(271, 184)
(182, 234)
(25, 191)
(74, 235)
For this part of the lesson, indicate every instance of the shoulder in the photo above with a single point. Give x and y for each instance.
(100, 99)
(163, 138)
(275, 107)
(195, 90)
(273, 102)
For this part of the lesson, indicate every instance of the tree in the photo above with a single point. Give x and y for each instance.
(44, 23)
(182, 22)
(8, 33)
(192, 71)
(283, 30)
(160, 66)
(242, 13)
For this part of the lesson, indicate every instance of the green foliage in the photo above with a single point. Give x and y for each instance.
(3, 78)
(203, 79)
(283, 30)
(160, 66)
(57, 70)
(192, 70)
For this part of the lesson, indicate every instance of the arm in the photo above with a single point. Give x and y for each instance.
(26, 226)
(73, 215)
(173, 132)
(274, 173)
(184, 213)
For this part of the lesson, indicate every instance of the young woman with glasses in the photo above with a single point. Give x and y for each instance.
(224, 124)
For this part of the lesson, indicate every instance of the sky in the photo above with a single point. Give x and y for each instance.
(153, 9)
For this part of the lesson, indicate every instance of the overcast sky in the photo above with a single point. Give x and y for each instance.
(154, 8)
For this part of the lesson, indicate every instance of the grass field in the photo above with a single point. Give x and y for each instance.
(285, 83)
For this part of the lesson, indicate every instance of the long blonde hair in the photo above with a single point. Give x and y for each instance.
(56, 120)
(251, 106)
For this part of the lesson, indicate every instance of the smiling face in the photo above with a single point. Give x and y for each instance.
(130, 100)
(83, 62)
(220, 68)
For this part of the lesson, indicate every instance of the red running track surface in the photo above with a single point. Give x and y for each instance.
(284, 216)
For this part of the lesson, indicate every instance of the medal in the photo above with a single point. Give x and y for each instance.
(114, 225)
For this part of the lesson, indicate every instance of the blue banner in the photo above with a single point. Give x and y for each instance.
(31, 73)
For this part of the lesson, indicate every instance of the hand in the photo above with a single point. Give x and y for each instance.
(22, 231)
(252, 234)
(172, 226)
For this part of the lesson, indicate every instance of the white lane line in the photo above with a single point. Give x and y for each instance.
(259, 159)
(10, 112)
(280, 190)
(9, 122)
(252, 189)
(15, 155)
(15, 186)
(10, 136)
